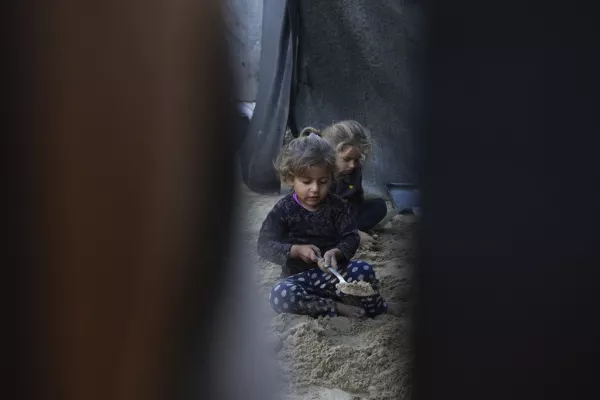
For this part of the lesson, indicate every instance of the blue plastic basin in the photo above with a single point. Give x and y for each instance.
(404, 196)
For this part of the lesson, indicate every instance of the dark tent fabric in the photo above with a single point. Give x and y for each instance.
(267, 127)
(357, 60)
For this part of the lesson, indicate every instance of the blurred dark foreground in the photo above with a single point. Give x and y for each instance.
(127, 185)
(121, 187)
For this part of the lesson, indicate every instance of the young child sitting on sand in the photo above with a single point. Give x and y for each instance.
(352, 143)
(308, 223)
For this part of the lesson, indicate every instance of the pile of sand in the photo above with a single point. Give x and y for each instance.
(340, 358)
(365, 359)
(356, 288)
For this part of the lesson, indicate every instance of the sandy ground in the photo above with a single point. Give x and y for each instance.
(340, 358)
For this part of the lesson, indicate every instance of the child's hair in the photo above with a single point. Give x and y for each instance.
(345, 133)
(302, 153)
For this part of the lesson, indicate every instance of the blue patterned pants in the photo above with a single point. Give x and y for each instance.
(313, 292)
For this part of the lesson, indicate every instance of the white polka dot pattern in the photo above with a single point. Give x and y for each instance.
(313, 292)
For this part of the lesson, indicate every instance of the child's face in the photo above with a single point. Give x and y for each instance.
(312, 187)
(347, 159)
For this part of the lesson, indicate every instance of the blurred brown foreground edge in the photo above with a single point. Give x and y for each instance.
(128, 129)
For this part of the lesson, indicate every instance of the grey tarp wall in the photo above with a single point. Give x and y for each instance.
(355, 59)
(243, 20)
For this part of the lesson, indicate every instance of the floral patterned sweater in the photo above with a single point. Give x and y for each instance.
(288, 223)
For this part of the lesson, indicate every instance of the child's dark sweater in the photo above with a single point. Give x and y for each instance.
(288, 223)
(349, 187)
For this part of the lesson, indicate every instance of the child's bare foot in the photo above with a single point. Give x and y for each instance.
(346, 310)
(367, 241)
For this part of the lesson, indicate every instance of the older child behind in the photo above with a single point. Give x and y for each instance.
(352, 143)
(311, 222)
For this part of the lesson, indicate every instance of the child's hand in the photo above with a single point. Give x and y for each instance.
(330, 258)
(305, 252)
(322, 266)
